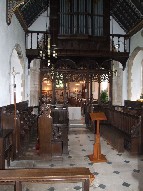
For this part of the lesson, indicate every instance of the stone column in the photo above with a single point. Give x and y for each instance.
(34, 83)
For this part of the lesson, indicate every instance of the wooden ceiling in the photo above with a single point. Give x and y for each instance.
(127, 13)
(31, 10)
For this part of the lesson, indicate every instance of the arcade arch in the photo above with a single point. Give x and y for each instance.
(135, 74)
(17, 82)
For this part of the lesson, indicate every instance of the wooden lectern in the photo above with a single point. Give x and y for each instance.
(97, 156)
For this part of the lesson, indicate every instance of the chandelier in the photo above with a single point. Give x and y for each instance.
(48, 50)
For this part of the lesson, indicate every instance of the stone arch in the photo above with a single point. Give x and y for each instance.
(17, 65)
(129, 71)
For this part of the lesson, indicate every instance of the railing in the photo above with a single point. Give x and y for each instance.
(119, 43)
(34, 39)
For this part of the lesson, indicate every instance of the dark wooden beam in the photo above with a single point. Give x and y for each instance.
(135, 29)
(21, 20)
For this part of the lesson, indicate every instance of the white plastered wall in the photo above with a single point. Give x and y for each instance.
(134, 66)
(34, 71)
(128, 81)
(16, 74)
(10, 36)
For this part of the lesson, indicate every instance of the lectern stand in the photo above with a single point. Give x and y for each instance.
(97, 156)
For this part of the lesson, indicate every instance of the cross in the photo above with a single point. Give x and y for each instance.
(14, 73)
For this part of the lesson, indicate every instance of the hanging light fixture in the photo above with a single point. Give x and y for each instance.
(48, 51)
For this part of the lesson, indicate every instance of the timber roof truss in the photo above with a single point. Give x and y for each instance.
(127, 13)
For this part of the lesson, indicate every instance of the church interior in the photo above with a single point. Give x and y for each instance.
(71, 99)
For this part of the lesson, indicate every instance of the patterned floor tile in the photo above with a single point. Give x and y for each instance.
(122, 172)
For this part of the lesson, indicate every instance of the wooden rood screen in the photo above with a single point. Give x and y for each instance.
(49, 175)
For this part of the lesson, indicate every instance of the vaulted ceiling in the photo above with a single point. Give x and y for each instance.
(127, 13)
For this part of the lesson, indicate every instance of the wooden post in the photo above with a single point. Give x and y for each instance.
(87, 89)
(99, 89)
(45, 133)
(2, 157)
(141, 138)
(14, 73)
(54, 89)
(97, 156)
(91, 95)
(110, 89)
(15, 126)
(65, 95)
(41, 81)
(18, 186)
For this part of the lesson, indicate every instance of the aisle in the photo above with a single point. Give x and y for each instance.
(77, 123)
(122, 172)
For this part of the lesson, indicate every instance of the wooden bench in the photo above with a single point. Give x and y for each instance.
(113, 136)
(6, 147)
(49, 175)
(53, 131)
(24, 125)
(123, 128)
(127, 128)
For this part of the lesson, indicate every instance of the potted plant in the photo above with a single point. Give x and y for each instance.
(104, 96)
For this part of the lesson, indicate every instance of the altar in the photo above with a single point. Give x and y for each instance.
(74, 113)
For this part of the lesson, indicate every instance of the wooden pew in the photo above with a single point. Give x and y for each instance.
(6, 147)
(129, 128)
(28, 124)
(123, 129)
(60, 117)
(7, 122)
(49, 175)
(45, 133)
(53, 132)
(25, 123)
(113, 136)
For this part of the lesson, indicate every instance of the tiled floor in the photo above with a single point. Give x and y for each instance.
(122, 172)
